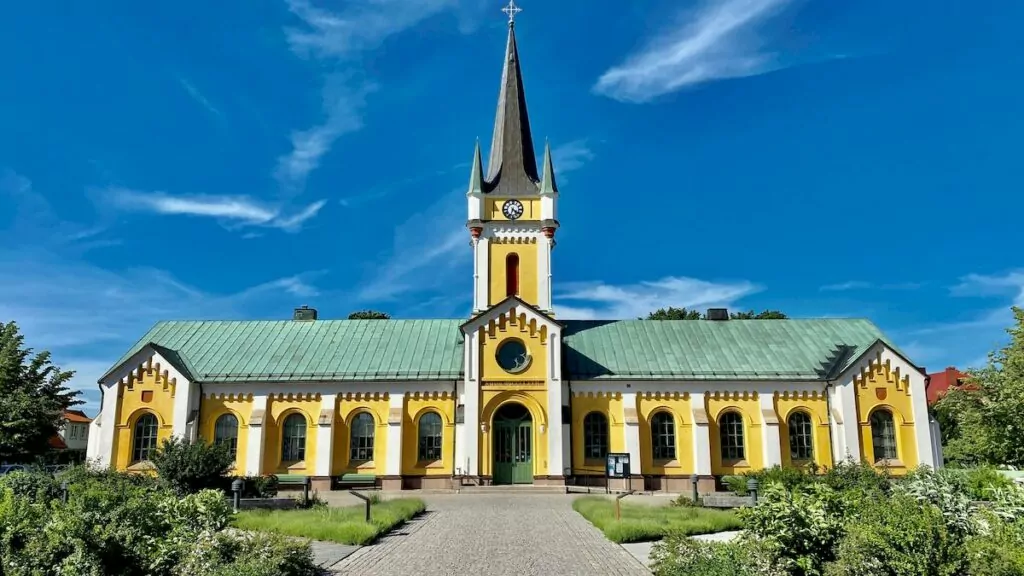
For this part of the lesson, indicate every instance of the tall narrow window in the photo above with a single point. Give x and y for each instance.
(225, 432)
(430, 435)
(883, 435)
(595, 436)
(663, 436)
(801, 445)
(144, 437)
(512, 274)
(730, 430)
(362, 438)
(293, 441)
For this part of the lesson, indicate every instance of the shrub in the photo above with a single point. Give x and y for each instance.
(684, 501)
(37, 485)
(981, 483)
(679, 555)
(736, 484)
(944, 491)
(859, 477)
(789, 477)
(898, 536)
(801, 527)
(188, 467)
(999, 550)
(257, 486)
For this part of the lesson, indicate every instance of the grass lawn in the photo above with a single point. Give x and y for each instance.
(346, 525)
(642, 522)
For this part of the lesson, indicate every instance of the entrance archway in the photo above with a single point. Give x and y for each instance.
(513, 445)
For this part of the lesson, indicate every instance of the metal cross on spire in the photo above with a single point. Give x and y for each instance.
(511, 10)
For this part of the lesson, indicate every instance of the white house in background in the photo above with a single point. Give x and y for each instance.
(75, 432)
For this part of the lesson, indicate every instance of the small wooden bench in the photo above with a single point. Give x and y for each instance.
(352, 480)
(292, 479)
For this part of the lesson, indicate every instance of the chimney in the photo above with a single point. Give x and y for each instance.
(718, 314)
(304, 313)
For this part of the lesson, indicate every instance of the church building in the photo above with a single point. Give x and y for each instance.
(513, 394)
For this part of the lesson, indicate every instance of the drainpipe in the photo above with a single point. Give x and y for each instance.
(455, 435)
(572, 447)
(828, 409)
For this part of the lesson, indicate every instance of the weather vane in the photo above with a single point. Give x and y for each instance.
(511, 10)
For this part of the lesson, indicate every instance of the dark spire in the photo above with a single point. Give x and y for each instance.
(512, 168)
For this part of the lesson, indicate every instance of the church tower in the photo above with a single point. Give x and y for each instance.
(512, 207)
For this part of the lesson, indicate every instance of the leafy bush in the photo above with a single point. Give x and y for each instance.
(679, 555)
(789, 477)
(132, 525)
(998, 550)
(981, 483)
(684, 501)
(858, 477)
(188, 467)
(898, 536)
(801, 527)
(736, 484)
(35, 484)
(257, 486)
(944, 491)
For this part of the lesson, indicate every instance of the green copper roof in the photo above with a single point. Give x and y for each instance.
(377, 350)
(714, 350)
(246, 351)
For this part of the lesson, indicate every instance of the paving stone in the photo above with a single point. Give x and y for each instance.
(521, 534)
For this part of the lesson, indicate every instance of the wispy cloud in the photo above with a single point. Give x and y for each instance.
(599, 300)
(229, 210)
(717, 41)
(861, 285)
(571, 156)
(198, 96)
(429, 250)
(339, 37)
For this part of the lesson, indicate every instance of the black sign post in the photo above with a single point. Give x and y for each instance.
(616, 466)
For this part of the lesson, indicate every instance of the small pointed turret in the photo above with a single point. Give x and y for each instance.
(476, 175)
(548, 184)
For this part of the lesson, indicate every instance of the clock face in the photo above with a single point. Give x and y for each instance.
(512, 209)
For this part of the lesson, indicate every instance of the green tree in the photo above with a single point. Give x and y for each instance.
(369, 315)
(986, 412)
(672, 313)
(33, 394)
(765, 315)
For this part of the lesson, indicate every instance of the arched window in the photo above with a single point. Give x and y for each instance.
(663, 436)
(512, 274)
(362, 438)
(293, 441)
(430, 433)
(595, 436)
(801, 444)
(730, 430)
(883, 435)
(225, 431)
(144, 437)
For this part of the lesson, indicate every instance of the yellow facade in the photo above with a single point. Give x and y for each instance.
(212, 407)
(531, 209)
(815, 405)
(349, 405)
(882, 387)
(611, 407)
(526, 251)
(415, 407)
(748, 406)
(279, 408)
(149, 389)
(514, 325)
(678, 405)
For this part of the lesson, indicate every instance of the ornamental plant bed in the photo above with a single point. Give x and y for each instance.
(345, 525)
(642, 522)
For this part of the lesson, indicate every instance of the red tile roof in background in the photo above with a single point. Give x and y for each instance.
(76, 416)
(939, 383)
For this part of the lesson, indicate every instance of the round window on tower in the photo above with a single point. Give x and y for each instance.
(513, 357)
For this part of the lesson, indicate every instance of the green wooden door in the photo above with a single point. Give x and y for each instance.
(513, 451)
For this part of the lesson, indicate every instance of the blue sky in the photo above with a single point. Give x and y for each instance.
(197, 160)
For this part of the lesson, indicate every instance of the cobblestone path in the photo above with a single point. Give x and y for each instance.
(499, 535)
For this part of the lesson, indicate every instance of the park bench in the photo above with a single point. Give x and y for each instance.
(355, 480)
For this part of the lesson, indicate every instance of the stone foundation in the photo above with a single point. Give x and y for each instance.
(321, 484)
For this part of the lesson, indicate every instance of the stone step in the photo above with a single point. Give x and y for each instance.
(511, 489)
